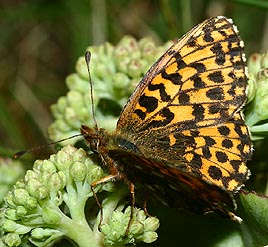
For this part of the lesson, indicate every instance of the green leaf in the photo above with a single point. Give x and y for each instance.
(253, 209)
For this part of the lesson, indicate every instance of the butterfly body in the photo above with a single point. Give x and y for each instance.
(181, 135)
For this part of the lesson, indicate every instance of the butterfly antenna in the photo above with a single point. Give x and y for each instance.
(21, 153)
(87, 58)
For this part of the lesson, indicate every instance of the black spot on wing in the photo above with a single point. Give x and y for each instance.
(215, 93)
(180, 63)
(140, 114)
(183, 98)
(221, 157)
(208, 37)
(198, 83)
(175, 78)
(216, 77)
(219, 53)
(162, 91)
(214, 172)
(227, 143)
(167, 116)
(148, 102)
(198, 111)
(224, 130)
(200, 67)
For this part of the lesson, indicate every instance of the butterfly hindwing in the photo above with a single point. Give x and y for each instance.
(174, 187)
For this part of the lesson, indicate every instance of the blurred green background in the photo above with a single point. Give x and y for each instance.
(41, 40)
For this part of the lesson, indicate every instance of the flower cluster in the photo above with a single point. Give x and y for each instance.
(50, 203)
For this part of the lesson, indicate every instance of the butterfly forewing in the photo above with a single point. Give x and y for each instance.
(187, 108)
(199, 81)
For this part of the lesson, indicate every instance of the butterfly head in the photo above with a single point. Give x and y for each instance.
(96, 138)
(93, 137)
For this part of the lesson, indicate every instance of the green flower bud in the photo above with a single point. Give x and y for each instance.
(141, 228)
(36, 189)
(62, 175)
(63, 159)
(31, 203)
(42, 193)
(95, 173)
(81, 68)
(115, 231)
(9, 225)
(55, 182)
(11, 214)
(48, 167)
(140, 215)
(20, 196)
(121, 82)
(43, 234)
(258, 107)
(9, 200)
(71, 118)
(21, 211)
(74, 100)
(137, 228)
(79, 155)
(19, 184)
(61, 106)
(76, 83)
(131, 45)
(151, 224)
(31, 175)
(65, 127)
(12, 226)
(135, 67)
(78, 171)
(12, 239)
(262, 86)
(148, 49)
(36, 167)
(149, 237)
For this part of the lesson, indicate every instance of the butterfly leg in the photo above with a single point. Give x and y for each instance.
(115, 174)
(106, 179)
(132, 192)
(145, 208)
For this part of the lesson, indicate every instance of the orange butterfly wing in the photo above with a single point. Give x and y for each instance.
(186, 110)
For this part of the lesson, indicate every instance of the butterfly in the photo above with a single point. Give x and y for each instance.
(181, 134)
